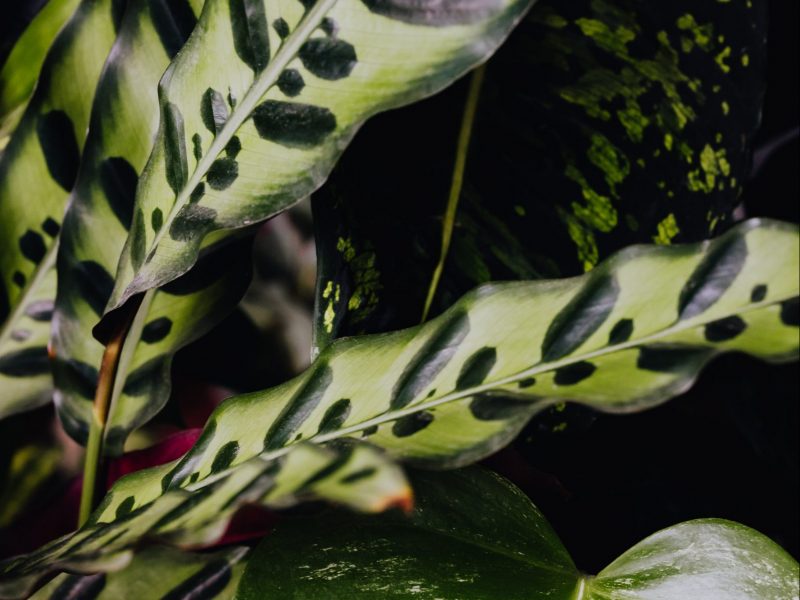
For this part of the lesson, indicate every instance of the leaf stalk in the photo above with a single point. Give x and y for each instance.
(457, 182)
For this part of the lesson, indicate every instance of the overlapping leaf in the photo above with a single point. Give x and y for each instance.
(37, 171)
(599, 125)
(157, 572)
(21, 69)
(263, 98)
(474, 535)
(124, 122)
(352, 474)
(452, 390)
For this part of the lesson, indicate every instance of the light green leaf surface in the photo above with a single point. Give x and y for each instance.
(21, 69)
(123, 124)
(628, 335)
(450, 391)
(157, 572)
(351, 474)
(474, 535)
(37, 171)
(261, 101)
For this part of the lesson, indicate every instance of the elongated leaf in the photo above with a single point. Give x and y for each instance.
(625, 112)
(124, 121)
(37, 170)
(21, 69)
(157, 572)
(265, 95)
(626, 336)
(455, 389)
(354, 475)
(474, 535)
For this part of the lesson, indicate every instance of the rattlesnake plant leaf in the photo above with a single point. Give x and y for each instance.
(626, 336)
(37, 171)
(474, 535)
(633, 124)
(351, 474)
(157, 572)
(124, 121)
(262, 100)
(21, 69)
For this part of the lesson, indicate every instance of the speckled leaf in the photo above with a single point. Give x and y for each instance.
(157, 572)
(632, 124)
(451, 391)
(21, 69)
(458, 387)
(352, 474)
(292, 83)
(37, 170)
(100, 212)
(475, 536)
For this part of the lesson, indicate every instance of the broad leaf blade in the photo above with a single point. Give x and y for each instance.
(354, 475)
(21, 69)
(475, 536)
(37, 171)
(157, 572)
(98, 219)
(701, 558)
(332, 64)
(472, 535)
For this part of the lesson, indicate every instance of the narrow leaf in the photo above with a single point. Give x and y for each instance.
(98, 218)
(485, 385)
(21, 69)
(339, 61)
(37, 170)
(354, 475)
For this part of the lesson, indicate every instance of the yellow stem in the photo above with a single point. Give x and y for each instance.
(457, 182)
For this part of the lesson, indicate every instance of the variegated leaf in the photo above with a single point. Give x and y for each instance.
(37, 171)
(351, 474)
(21, 69)
(264, 97)
(124, 122)
(157, 572)
(633, 124)
(475, 536)
(626, 336)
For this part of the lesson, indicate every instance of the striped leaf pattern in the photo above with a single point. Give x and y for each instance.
(124, 121)
(351, 474)
(496, 544)
(157, 572)
(21, 69)
(37, 171)
(264, 97)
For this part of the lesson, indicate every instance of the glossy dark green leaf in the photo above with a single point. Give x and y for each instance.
(475, 536)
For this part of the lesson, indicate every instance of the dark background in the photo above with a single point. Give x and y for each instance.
(728, 448)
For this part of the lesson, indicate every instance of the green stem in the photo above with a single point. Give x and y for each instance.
(102, 400)
(457, 182)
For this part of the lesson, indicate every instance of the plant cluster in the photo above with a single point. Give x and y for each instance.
(561, 225)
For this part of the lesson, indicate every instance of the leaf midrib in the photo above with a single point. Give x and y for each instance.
(535, 370)
(524, 559)
(261, 84)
